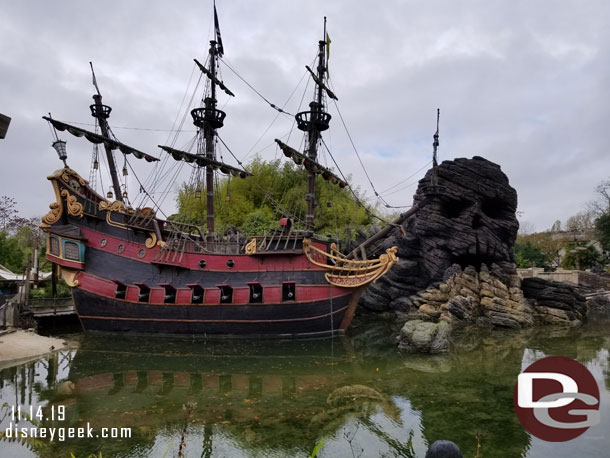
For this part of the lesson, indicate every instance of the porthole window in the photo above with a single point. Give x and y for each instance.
(202, 263)
(230, 263)
(120, 248)
(103, 242)
(141, 253)
(71, 251)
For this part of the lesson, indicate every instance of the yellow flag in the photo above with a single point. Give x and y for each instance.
(327, 52)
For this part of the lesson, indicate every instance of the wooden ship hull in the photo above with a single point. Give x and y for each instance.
(127, 275)
(131, 271)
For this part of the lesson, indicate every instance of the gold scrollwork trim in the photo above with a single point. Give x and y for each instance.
(69, 277)
(56, 207)
(75, 208)
(116, 206)
(53, 215)
(65, 176)
(151, 241)
(349, 273)
(251, 247)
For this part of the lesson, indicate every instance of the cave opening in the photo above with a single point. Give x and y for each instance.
(474, 260)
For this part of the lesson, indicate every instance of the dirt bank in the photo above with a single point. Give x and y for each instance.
(19, 346)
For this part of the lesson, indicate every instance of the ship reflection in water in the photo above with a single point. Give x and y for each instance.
(281, 398)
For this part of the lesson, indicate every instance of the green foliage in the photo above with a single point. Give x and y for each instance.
(15, 249)
(602, 230)
(581, 258)
(317, 448)
(251, 204)
(537, 250)
(18, 237)
(45, 291)
(528, 255)
(257, 222)
(12, 255)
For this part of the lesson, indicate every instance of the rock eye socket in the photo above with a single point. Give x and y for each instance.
(494, 208)
(452, 208)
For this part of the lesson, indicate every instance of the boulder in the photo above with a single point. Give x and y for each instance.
(424, 337)
(553, 302)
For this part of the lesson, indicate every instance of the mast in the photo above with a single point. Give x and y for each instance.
(209, 134)
(101, 113)
(208, 119)
(314, 122)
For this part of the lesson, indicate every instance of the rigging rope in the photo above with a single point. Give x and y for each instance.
(263, 190)
(358, 201)
(358, 155)
(275, 107)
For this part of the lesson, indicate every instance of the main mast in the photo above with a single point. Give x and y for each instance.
(208, 119)
(314, 122)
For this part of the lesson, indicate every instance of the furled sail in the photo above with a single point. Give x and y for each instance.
(209, 74)
(97, 139)
(320, 83)
(203, 161)
(311, 166)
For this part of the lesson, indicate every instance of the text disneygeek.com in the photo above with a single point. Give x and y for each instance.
(61, 433)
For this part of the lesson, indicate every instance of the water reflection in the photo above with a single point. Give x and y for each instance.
(280, 398)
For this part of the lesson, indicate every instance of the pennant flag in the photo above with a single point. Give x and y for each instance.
(221, 49)
(327, 52)
(94, 80)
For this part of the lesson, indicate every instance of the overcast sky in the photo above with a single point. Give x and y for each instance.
(524, 84)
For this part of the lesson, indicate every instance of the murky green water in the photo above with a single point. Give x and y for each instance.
(237, 398)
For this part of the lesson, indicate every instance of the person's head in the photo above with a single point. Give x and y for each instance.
(444, 449)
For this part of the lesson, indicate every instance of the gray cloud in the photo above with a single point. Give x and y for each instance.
(522, 83)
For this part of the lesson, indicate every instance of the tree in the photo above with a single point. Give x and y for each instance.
(601, 209)
(255, 204)
(8, 211)
(527, 255)
(19, 241)
(525, 228)
(556, 227)
(581, 221)
(538, 250)
(602, 230)
(12, 255)
(602, 205)
(580, 258)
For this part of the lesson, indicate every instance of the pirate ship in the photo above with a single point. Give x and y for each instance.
(131, 270)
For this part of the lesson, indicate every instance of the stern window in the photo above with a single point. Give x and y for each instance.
(71, 251)
(54, 245)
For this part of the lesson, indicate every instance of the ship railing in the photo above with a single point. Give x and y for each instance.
(277, 242)
(345, 272)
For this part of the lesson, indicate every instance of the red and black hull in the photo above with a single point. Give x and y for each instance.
(98, 313)
(123, 282)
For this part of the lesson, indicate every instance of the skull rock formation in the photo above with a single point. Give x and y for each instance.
(456, 262)
(466, 219)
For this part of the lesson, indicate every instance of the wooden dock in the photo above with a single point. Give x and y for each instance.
(52, 307)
